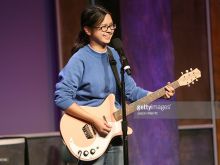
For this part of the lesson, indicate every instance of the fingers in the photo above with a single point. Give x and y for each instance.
(170, 91)
(169, 88)
(107, 127)
(103, 127)
(167, 95)
(104, 131)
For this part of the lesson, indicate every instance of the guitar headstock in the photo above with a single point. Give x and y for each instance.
(189, 77)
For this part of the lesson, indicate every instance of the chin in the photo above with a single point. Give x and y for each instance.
(107, 41)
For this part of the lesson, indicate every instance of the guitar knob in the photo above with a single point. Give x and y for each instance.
(79, 152)
(85, 153)
(92, 151)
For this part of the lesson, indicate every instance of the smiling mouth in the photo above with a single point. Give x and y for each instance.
(107, 37)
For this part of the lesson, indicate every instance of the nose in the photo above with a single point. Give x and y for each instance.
(109, 30)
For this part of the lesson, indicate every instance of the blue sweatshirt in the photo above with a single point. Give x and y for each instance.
(87, 79)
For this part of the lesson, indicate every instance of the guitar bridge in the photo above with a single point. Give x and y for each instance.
(87, 131)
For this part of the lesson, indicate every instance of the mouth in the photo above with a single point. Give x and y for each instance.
(107, 37)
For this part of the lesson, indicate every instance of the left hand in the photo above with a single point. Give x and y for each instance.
(170, 91)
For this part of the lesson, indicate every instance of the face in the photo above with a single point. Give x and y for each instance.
(101, 35)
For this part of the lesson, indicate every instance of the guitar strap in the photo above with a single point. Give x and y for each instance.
(114, 68)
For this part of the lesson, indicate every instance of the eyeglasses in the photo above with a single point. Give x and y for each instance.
(104, 28)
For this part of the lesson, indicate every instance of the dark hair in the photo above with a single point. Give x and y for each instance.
(91, 17)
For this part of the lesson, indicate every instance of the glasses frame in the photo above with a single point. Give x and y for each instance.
(102, 28)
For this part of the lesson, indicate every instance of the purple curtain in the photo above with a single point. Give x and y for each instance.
(147, 39)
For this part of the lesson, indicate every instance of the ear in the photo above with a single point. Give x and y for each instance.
(87, 30)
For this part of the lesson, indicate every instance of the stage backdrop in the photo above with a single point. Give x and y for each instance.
(146, 35)
(28, 67)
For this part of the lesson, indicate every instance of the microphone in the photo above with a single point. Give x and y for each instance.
(117, 44)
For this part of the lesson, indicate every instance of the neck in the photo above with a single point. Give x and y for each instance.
(98, 47)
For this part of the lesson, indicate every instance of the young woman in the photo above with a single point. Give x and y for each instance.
(87, 79)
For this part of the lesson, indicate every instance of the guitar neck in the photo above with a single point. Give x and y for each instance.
(145, 100)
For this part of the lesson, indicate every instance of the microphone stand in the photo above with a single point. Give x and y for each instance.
(124, 119)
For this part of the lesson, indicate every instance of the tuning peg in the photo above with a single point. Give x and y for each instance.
(193, 82)
(181, 73)
(197, 80)
(188, 85)
(187, 71)
(191, 69)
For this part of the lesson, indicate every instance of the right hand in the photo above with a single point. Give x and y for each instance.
(101, 126)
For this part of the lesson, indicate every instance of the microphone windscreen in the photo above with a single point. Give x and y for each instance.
(117, 44)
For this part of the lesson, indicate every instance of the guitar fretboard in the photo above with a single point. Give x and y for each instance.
(145, 100)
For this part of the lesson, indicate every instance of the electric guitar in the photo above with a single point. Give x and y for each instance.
(84, 142)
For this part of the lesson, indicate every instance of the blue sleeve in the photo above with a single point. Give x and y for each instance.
(132, 91)
(68, 83)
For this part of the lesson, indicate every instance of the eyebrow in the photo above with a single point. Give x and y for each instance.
(107, 24)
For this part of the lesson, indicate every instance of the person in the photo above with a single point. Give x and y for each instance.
(87, 79)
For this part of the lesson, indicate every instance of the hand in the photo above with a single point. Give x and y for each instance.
(170, 91)
(101, 126)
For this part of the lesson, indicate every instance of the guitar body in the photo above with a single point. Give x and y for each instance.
(82, 140)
